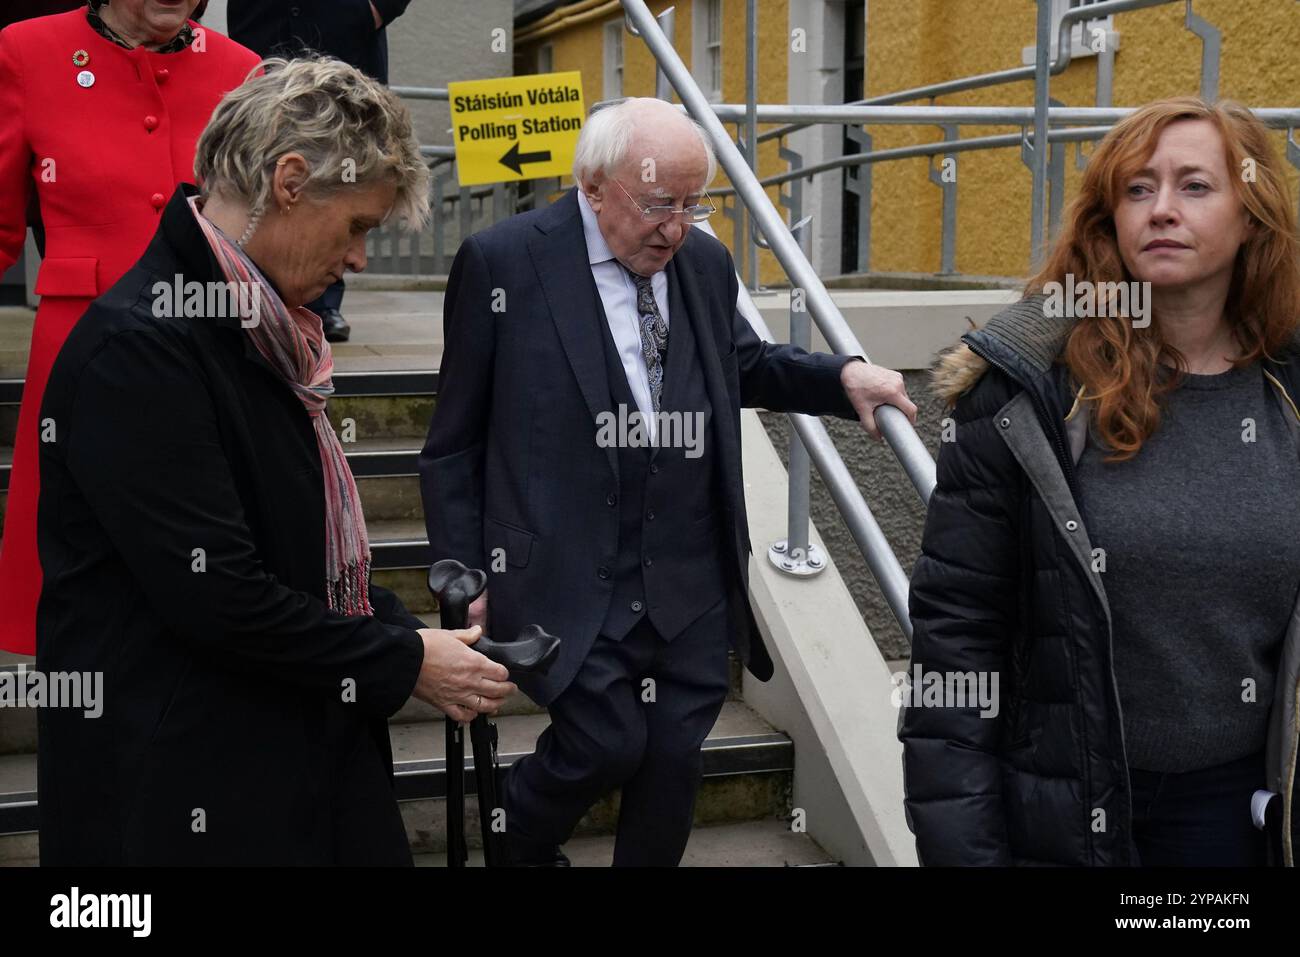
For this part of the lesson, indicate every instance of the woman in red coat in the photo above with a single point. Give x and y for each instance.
(100, 111)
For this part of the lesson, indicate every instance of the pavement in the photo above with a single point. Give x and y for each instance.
(391, 330)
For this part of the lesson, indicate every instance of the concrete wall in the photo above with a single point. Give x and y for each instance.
(915, 42)
(439, 41)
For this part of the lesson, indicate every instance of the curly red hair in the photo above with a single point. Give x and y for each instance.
(1115, 362)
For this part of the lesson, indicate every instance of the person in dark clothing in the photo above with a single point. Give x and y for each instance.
(16, 10)
(1113, 542)
(354, 31)
(632, 547)
(202, 536)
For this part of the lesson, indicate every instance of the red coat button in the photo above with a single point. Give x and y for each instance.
(151, 123)
(158, 200)
(162, 75)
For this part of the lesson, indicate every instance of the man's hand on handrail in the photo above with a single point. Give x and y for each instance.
(868, 386)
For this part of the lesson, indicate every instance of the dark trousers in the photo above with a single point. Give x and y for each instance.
(635, 716)
(1198, 818)
(331, 298)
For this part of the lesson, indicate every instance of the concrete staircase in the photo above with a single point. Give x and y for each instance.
(742, 815)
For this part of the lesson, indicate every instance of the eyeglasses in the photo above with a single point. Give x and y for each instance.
(661, 214)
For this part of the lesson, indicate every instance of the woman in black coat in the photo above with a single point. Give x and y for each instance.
(201, 533)
(1106, 648)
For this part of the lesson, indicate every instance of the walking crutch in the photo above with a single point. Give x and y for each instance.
(532, 652)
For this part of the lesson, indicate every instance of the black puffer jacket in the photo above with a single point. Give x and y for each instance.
(1005, 586)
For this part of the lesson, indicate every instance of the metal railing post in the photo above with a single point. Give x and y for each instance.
(1056, 153)
(1038, 154)
(667, 23)
(439, 224)
(751, 121)
(843, 488)
(1211, 49)
(466, 210)
(794, 554)
(948, 184)
(1292, 150)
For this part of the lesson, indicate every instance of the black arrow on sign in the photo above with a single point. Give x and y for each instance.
(515, 160)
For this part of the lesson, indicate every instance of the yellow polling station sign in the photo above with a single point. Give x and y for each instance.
(515, 127)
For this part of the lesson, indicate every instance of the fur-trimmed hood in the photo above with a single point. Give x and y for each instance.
(1026, 342)
(956, 372)
(1027, 339)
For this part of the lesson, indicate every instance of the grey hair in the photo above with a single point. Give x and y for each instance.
(349, 128)
(606, 138)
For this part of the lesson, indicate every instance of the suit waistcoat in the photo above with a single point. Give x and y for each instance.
(669, 559)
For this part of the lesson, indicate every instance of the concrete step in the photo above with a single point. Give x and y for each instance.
(381, 411)
(18, 725)
(372, 417)
(762, 843)
(748, 769)
(391, 498)
(409, 584)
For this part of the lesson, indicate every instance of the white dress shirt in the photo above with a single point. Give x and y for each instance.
(618, 295)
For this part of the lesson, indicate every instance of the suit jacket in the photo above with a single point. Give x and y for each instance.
(224, 671)
(511, 459)
(339, 28)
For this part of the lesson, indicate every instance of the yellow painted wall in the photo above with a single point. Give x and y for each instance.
(915, 42)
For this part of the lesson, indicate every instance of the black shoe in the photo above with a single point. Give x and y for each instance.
(528, 854)
(335, 326)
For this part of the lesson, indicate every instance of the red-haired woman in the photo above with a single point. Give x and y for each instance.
(1115, 533)
(100, 111)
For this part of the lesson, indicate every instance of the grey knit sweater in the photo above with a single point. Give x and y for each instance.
(1201, 535)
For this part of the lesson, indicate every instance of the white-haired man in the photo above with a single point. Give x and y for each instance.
(585, 451)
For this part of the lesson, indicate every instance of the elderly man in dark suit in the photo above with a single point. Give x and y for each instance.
(354, 31)
(585, 451)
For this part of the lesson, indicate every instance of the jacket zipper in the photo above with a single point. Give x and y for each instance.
(1067, 466)
(1288, 788)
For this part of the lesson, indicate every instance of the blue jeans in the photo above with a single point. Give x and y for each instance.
(1198, 818)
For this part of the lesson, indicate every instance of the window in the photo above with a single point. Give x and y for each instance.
(614, 59)
(546, 58)
(1083, 40)
(707, 47)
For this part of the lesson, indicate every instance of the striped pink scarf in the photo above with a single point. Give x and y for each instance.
(292, 341)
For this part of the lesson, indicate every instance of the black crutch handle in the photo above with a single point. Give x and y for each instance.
(531, 653)
(456, 587)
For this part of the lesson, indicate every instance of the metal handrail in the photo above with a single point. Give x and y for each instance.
(1277, 117)
(858, 518)
(421, 92)
(898, 432)
(997, 77)
(1073, 135)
